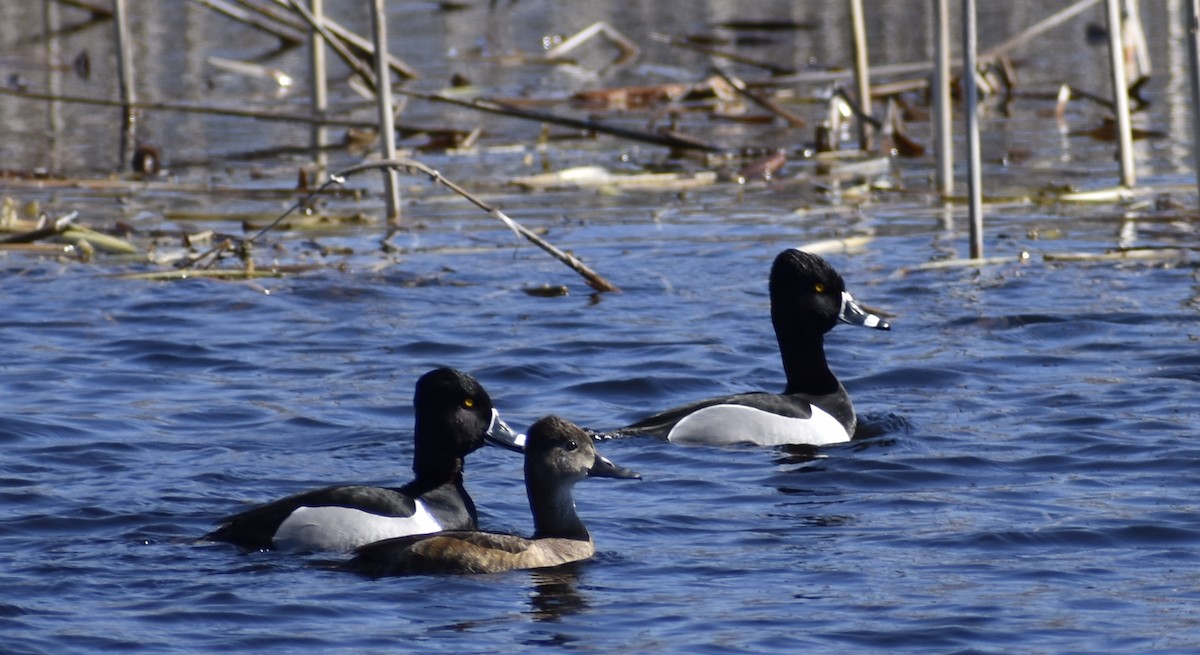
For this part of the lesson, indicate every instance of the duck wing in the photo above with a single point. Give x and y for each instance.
(255, 528)
(457, 551)
(660, 425)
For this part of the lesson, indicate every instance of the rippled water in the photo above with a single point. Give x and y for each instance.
(1031, 483)
(1026, 481)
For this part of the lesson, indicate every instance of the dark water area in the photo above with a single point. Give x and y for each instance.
(1026, 479)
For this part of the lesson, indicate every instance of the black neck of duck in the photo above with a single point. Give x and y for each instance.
(431, 473)
(554, 515)
(803, 354)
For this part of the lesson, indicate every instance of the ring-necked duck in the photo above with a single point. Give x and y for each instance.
(557, 455)
(808, 298)
(454, 417)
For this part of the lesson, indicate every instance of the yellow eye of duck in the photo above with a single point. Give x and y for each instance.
(819, 288)
(469, 403)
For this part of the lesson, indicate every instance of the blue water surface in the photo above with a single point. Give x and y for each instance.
(1027, 477)
(1028, 481)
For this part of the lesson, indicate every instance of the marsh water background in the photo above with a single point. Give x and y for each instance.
(1028, 479)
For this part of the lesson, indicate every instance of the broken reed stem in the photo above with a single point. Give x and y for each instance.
(759, 99)
(125, 83)
(196, 109)
(339, 38)
(347, 57)
(736, 57)
(494, 107)
(286, 36)
(95, 10)
(593, 279)
(383, 102)
(1035, 30)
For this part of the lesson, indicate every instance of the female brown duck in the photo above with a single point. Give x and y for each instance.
(557, 455)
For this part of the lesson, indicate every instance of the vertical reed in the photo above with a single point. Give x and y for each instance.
(320, 88)
(971, 110)
(943, 125)
(383, 96)
(125, 81)
(1191, 13)
(1116, 50)
(862, 73)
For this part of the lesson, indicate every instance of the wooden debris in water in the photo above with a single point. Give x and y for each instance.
(1113, 194)
(836, 245)
(249, 69)
(287, 34)
(547, 291)
(79, 238)
(628, 49)
(1119, 255)
(762, 101)
(598, 176)
(974, 262)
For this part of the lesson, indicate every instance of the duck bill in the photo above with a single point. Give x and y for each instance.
(854, 315)
(499, 434)
(603, 468)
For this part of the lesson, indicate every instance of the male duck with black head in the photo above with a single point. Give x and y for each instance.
(454, 417)
(558, 454)
(808, 298)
